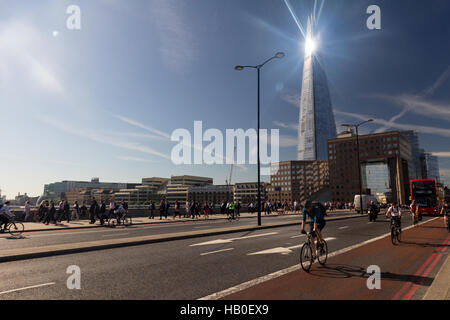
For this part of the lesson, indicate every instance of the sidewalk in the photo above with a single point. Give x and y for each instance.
(84, 224)
(440, 288)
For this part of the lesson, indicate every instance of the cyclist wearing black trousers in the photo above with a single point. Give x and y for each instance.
(445, 211)
(317, 221)
(51, 214)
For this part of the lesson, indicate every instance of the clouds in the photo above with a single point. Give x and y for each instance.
(96, 136)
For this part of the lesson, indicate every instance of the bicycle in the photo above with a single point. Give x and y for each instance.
(232, 216)
(126, 220)
(306, 253)
(15, 228)
(396, 232)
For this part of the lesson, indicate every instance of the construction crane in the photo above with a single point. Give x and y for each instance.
(228, 182)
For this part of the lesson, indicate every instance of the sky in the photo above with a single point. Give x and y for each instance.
(103, 101)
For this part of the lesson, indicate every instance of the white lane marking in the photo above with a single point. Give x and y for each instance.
(221, 241)
(342, 228)
(252, 283)
(283, 250)
(116, 234)
(30, 287)
(302, 235)
(212, 252)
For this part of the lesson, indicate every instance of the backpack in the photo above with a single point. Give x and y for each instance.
(322, 208)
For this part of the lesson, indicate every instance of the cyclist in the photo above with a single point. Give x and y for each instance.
(445, 211)
(5, 216)
(232, 208)
(317, 222)
(395, 213)
(414, 211)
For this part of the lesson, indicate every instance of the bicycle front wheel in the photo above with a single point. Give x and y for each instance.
(306, 257)
(399, 235)
(322, 254)
(16, 229)
(126, 221)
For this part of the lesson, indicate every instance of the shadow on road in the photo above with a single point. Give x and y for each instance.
(348, 271)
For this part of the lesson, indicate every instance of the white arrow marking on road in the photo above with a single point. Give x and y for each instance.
(223, 250)
(282, 250)
(221, 241)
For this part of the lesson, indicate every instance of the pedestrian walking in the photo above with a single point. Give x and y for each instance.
(206, 210)
(166, 208)
(27, 210)
(102, 213)
(66, 209)
(152, 210)
(76, 211)
(161, 209)
(93, 211)
(176, 209)
(50, 214)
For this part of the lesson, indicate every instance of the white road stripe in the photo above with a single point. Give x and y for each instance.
(301, 235)
(342, 228)
(252, 283)
(223, 250)
(116, 234)
(221, 241)
(30, 287)
(283, 250)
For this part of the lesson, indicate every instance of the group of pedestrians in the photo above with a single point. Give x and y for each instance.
(48, 212)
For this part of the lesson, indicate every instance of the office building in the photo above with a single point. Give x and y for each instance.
(297, 180)
(316, 123)
(386, 161)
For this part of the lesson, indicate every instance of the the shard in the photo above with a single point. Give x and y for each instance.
(316, 125)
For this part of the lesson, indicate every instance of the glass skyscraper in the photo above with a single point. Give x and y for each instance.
(316, 125)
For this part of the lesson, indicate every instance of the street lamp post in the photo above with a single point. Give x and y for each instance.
(356, 126)
(279, 55)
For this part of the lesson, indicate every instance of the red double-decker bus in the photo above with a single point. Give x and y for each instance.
(427, 194)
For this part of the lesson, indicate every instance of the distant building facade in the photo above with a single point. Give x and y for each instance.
(57, 190)
(297, 180)
(430, 166)
(247, 192)
(210, 193)
(177, 189)
(386, 162)
(151, 189)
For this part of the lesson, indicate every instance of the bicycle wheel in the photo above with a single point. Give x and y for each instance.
(322, 254)
(393, 236)
(306, 257)
(16, 229)
(111, 222)
(126, 221)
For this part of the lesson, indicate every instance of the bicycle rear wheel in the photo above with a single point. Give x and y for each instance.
(393, 236)
(322, 254)
(112, 222)
(16, 229)
(306, 257)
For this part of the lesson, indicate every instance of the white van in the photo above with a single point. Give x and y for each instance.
(366, 199)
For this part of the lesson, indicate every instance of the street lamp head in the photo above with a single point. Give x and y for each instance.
(370, 120)
(347, 125)
(239, 68)
(280, 55)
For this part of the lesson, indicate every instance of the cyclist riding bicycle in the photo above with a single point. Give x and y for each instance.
(395, 213)
(317, 221)
(414, 208)
(445, 211)
(5, 216)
